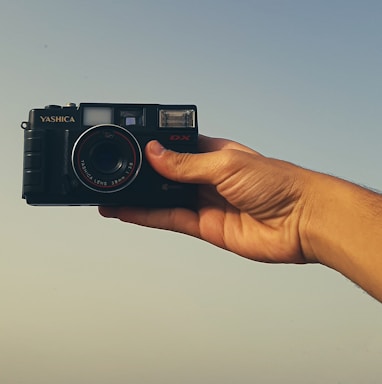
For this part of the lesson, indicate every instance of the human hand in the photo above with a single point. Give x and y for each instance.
(248, 204)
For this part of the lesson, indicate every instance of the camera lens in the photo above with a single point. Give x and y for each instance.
(106, 158)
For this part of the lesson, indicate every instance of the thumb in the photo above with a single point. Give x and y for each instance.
(199, 168)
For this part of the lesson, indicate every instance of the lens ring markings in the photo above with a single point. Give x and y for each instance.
(106, 158)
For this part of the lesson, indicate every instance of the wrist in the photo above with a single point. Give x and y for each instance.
(319, 200)
(341, 227)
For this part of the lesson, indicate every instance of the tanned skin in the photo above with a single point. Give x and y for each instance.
(270, 210)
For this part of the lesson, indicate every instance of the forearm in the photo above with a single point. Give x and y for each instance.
(342, 229)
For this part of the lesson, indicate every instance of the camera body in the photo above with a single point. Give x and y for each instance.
(93, 154)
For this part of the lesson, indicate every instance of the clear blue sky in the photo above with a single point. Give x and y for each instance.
(89, 300)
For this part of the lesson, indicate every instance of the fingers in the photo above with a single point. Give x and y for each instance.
(200, 168)
(177, 219)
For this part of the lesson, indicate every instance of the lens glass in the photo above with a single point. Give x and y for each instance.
(106, 158)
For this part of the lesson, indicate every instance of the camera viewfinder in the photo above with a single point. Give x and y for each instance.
(97, 115)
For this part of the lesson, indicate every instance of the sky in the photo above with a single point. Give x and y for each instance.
(85, 299)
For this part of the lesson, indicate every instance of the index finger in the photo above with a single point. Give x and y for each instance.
(173, 219)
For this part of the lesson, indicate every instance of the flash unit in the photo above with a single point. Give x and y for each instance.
(177, 118)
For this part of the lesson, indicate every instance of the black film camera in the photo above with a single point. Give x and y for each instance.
(93, 154)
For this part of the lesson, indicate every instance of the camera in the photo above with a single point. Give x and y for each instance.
(93, 154)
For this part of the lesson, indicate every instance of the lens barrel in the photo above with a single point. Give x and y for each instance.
(106, 158)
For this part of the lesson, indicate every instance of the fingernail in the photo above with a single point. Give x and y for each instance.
(156, 148)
